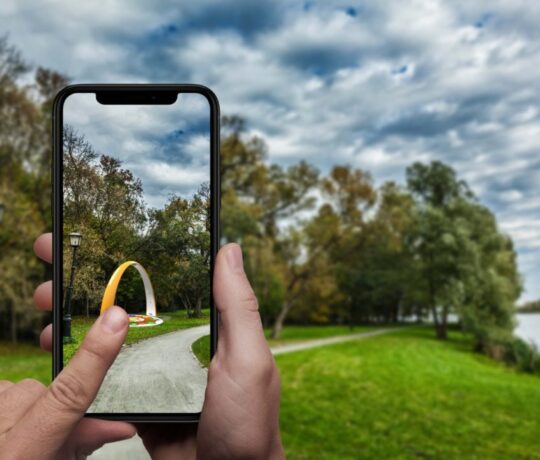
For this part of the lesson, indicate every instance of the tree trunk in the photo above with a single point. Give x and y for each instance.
(280, 319)
(13, 322)
(198, 308)
(442, 328)
(442, 331)
(441, 324)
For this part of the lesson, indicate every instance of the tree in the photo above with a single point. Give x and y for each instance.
(437, 237)
(307, 252)
(256, 197)
(102, 201)
(467, 266)
(24, 190)
(493, 284)
(177, 252)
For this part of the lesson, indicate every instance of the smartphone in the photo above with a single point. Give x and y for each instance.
(135, 224)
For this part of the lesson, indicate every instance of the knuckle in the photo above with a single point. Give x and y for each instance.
(68, 392)
(262, 371)
(249, 300)
(268, 370)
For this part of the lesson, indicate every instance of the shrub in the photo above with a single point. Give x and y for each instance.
(523, 355)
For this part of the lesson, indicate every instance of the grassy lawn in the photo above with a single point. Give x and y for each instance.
(291, 334)
(403, 395)
(18, 362)
(172, 321)
(201, 349)
(406, 396)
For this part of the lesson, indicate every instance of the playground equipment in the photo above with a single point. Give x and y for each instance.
(109, 296)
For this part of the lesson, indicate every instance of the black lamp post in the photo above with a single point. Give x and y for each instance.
(74, 241)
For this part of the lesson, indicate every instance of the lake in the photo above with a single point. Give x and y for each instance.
(529, 327)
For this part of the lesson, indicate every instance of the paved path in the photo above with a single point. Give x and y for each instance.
(133, 449)
(160, 374)
(314, 343)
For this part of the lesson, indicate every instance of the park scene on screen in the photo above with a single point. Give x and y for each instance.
(137, 235)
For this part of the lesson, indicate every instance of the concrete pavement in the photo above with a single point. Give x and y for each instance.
(160, 374)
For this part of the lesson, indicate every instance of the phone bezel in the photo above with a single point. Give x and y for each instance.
(57, 206)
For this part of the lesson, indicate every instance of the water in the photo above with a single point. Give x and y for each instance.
(529, 327)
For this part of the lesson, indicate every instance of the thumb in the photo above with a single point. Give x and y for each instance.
(240, 327)
(57, 412)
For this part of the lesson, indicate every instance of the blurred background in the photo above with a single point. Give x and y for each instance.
(380, 170)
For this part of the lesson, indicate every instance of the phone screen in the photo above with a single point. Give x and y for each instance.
(137, 223)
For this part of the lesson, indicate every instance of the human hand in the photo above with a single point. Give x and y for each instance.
(37, 422)
(240, 417)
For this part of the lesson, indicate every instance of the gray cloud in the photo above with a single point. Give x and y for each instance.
(378, 86)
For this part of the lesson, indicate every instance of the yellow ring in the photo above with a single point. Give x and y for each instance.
(109, 295)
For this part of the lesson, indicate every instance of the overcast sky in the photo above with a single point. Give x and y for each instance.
(166, 146)
(374, 84)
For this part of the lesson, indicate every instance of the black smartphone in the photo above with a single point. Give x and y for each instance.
(136, 224)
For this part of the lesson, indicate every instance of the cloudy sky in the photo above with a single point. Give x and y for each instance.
(373, 84)
(166, 146)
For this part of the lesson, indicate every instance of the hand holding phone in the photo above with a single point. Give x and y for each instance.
(240, 416)
(136, 223)
(242, 397)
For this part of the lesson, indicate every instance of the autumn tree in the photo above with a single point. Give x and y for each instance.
(25, 158)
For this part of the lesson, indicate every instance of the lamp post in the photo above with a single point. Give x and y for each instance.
(2, 209)
(74, 241)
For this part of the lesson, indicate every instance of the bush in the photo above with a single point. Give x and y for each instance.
(523, 355)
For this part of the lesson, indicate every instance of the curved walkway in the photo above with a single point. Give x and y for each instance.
(160, 374)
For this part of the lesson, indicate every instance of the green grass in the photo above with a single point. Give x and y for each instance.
(403, 395)
(201, 349)
(291, 334)
(18, 362)
(406, 396)
(172, 321)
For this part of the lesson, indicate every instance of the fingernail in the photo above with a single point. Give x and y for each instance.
(113, 320)
(234, 258)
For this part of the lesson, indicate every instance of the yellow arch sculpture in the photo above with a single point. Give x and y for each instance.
(109, 295)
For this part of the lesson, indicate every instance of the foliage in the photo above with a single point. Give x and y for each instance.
(523, 355)
(25, 161)
(365, 254)
(104, 202)
(323, 247)
(530, 307)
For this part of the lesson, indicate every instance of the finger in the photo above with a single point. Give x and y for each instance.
(91, 434)
(43, 247)
(240, 322)
(43, 296)
(45, 339)
(169, 440)
(17, 399)
(55, 415)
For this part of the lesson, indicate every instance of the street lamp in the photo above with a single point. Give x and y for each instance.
(2, 209)
(74, 241)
